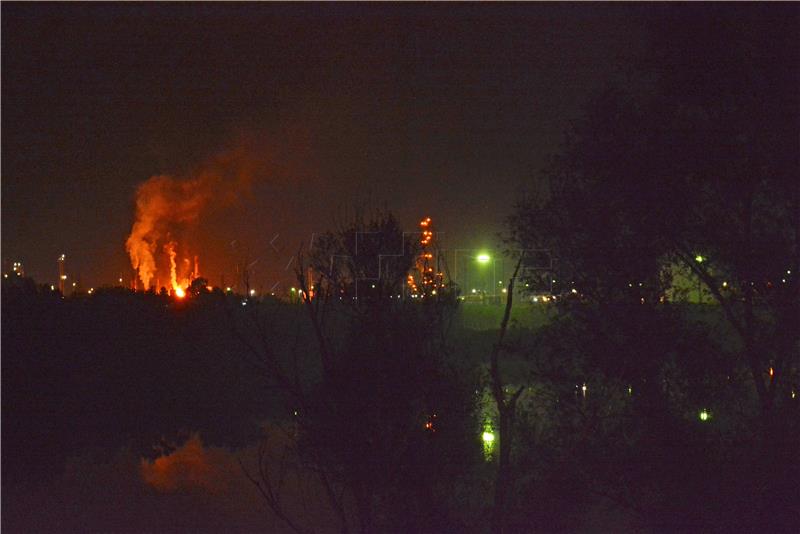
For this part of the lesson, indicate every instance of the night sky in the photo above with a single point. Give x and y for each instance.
(439, 110)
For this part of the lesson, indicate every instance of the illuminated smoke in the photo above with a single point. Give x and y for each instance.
(165, 204)
(191, 466)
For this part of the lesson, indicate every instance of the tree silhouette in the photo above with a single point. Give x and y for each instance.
(384, 422)
(693, 162)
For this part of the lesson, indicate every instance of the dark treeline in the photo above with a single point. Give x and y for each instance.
(118, 368)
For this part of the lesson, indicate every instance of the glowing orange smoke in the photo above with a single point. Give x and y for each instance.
(165, 205)
(189, 467)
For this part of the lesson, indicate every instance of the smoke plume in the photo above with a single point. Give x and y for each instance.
(165, 203)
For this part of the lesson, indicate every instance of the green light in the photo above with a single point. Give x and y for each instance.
(488, 439)
(699, 259)
(704, 415)
(293, 290)
(483, 258)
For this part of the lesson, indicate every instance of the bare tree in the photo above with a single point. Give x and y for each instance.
(506, 409)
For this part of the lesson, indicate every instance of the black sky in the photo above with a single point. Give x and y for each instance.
(443, 110)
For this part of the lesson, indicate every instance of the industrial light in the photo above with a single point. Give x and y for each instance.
(483, 258)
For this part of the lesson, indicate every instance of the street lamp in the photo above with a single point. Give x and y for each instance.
(484, 258)
(699, 259)
(481, 258)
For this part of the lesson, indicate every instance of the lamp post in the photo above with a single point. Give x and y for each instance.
(484, 258)
(699, 259)
(455, 279)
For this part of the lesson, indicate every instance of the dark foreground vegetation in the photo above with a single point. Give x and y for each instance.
(386, 430)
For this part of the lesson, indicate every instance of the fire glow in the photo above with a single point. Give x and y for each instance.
(166, 207)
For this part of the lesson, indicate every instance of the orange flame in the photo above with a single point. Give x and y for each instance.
(164, 203)
(177, 290)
